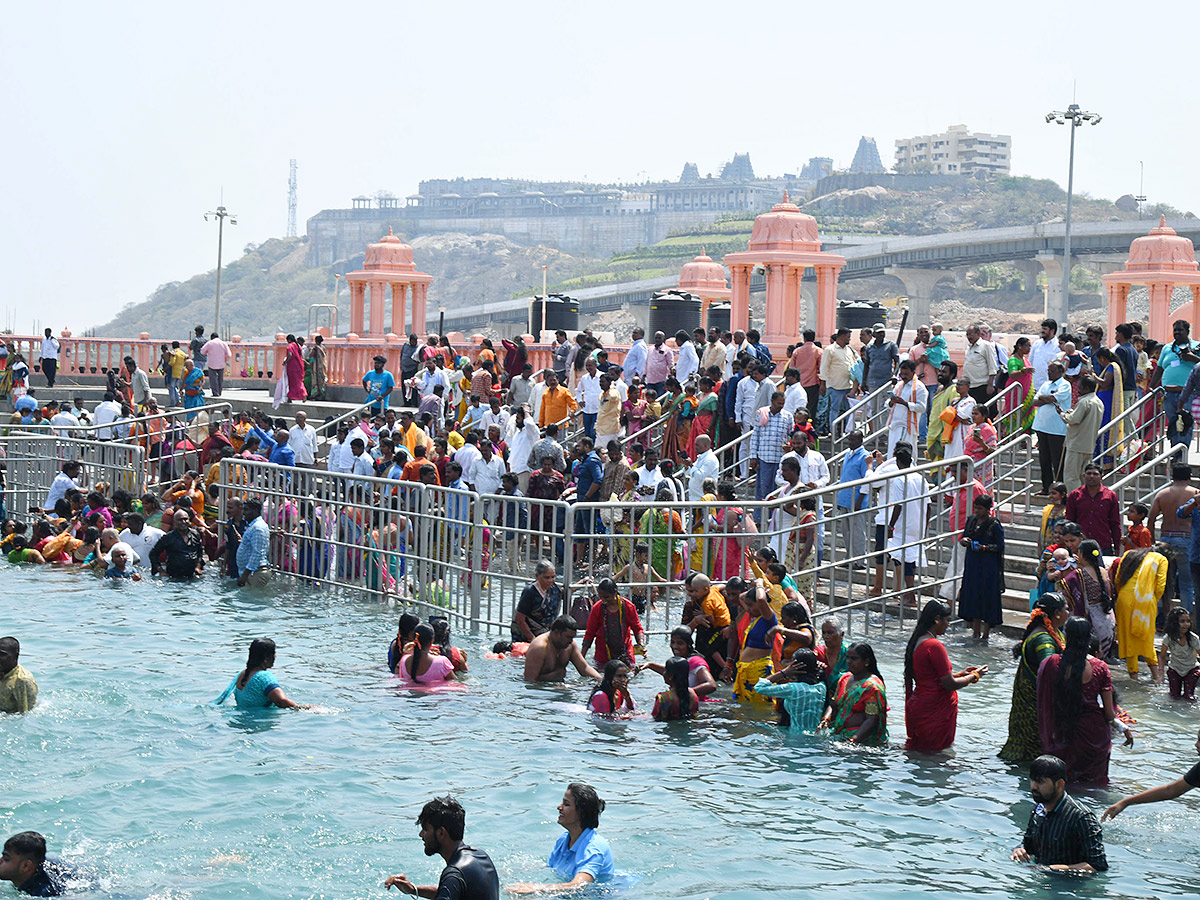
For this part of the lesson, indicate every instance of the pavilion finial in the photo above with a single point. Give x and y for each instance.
(389, 229)
(702, 251)
(1162, 221)
(785, 196)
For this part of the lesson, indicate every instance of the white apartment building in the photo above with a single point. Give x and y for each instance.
(957, 151)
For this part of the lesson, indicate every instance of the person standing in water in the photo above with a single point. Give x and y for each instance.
(18, 690)
(255, 687)
(580, 856)
(469, 873)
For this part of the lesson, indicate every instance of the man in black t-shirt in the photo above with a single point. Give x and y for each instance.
(24, 863)
(180, 552)
(1176, 788)
(469, 873)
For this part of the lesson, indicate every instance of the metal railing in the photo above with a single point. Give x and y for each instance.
(1129, 436)
(472, 555)
(35, 460)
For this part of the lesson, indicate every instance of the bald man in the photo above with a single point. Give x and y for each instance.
(704, 468)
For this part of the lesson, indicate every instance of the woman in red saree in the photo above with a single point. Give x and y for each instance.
(295, 370)
(706, 416)
(931, 685)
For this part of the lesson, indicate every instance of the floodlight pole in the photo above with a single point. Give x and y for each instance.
(222, 214)
(1074, 117)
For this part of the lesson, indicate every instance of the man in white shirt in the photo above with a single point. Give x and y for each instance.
(49, 357)
(466, 455)
(107, 412)
(521, 387)
(738, 345)
(814, 473)
(587, 392)
(706, 466)
(63, 422)
(794, 394)
(909, 400)
(688, 360)
(216, 353)
(979, 364)
(302, 438)
(635, 359)
(521, 435)
(535, 396)
(495, 415)
(139, 383)
(431, 376)
(361, 462)
(485, 472)
(140, 536)
(1043, 350)
(63, 482)
(608, 417)
(648, 476)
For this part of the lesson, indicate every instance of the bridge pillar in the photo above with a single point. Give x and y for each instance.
(918, 284)
(1029, 269)
(1056, 303)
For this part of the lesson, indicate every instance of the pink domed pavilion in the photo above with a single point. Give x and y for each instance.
(389, 262)
(704, 278)
(784, 242)
(1162, 261)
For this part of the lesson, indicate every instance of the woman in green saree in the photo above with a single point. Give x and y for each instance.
(1042, 639)
(857, 711)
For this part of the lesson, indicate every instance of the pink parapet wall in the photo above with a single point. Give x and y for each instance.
(1161, 261)
(785, 242)
(388, 267)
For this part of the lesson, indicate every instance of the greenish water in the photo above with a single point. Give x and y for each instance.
(124, 764)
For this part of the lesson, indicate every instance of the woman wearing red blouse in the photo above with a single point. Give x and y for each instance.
(930, 683)
(611, 625)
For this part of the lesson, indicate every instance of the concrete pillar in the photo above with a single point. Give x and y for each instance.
(378, 298)
(808, 291)
(418, 311)
(1056, 303)
(1160, 311)
(1118, 296)
(1029, 269)
(827, 281)
(773, 330)
(399, 301)
(357, 290)
(918, 284)
(739, 302)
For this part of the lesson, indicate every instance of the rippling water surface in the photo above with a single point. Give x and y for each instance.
(125, 765)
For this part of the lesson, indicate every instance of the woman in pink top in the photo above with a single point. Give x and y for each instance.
(421, 666)
(611, 696)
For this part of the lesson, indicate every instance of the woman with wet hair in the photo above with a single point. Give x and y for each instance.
(580, 856)
(931, 685)
(857, 710)
(255, 687)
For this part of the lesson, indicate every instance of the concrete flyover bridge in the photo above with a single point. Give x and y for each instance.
(921, 262)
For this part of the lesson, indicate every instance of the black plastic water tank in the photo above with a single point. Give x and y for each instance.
(862, 314)
(672, 311)
(561, 312)
(718, 316)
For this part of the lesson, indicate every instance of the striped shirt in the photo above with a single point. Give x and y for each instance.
(1066, 835)
(766, 443)
(252, 551)
(805, 703)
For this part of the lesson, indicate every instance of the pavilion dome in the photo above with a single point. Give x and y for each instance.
(389, 254)
(702, 273)
(1162, 250)
(785, 228)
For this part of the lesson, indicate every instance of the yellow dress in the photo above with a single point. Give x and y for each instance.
(1136, 608)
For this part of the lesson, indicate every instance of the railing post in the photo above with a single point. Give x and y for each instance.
(475, 558)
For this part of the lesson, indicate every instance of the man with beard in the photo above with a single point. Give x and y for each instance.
(1062, 833)
(469, 873)
(946, 392)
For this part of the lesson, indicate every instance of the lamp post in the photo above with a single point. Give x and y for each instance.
(540, 333)
(1076, 117)
(222, 214)
(441, 320)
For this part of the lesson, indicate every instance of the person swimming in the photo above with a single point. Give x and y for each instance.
(255, 687)
(580, 856)
(24, 863)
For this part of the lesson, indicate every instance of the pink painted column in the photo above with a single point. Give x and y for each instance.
(1195, 309)
(826, 301)
(378, 299)
(791, 314)
(357, 290)
(776, 304)
(1160, 311)
(739, 302)
(420, 292)
(1118, 294)
(399, 303)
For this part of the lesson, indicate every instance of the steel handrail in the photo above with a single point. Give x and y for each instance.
(46, 427)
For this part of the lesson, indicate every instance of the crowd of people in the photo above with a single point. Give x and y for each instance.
(658, 425)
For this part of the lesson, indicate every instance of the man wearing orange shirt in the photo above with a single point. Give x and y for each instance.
(412, 468)
(557, 402)
(807, 358)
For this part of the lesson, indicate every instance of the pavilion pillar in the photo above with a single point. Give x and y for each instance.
(1117, 296)
(399, 302)
(739, 301)
(1195, 309)
(378, 295)
(773, 329)
(418, 307)
(827, 280)
(705, 303)
(1160, 311)
(791, 293)
(357, 291)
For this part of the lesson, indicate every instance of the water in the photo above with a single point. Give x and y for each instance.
(124, 765)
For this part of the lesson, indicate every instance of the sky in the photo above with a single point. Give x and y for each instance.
(125, 122)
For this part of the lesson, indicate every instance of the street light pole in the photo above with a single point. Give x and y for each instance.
(540, 333)
(1076, 117)
(222, 214)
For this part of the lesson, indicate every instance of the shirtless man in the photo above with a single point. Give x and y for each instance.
(1176, 532)
(548, 653)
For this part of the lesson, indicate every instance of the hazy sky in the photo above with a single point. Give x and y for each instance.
(124, 122)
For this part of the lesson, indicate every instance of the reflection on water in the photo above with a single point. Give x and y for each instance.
(125, 764)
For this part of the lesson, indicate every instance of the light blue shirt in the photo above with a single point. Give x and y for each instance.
(590, 854)
(1175, 371)
(1046, 419)
(252, 552)
(854, 467)
(635, 360)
